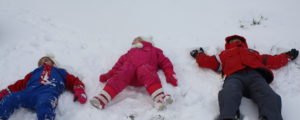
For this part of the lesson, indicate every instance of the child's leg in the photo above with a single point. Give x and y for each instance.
(45, 106)
(9, 103)
(105, 96)
(158, 96)
(114, 86)
(269, 102)
(153, 85)
(230, 97)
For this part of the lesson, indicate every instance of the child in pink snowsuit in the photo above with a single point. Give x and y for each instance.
(138, 67)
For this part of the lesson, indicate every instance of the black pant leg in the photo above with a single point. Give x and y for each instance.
(269, 102)
(230, 97)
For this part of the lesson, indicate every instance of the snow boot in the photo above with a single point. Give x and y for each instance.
(262, 118)
(238, 116)
(101, 100)
(162, 102)
(96, 102)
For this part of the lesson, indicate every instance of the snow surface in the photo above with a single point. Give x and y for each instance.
(88, 36)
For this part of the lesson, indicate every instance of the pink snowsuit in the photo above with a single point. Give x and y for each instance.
(138, 67)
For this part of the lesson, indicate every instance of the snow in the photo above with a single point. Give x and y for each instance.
(87, 38)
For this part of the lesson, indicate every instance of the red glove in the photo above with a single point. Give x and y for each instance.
(3, 93)
(79, 94)
(172, 80)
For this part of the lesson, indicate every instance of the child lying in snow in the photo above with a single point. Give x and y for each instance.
(138, 67)
(247, 74)
(39, 90)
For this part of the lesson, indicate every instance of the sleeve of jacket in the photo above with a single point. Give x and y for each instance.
(274, 61)
(165, 64)
(20, 84)
(72, 81)
(117, 65)
(207, 61)
(120, 62)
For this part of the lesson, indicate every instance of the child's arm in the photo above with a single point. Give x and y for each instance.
(280, 60)
(206, 61)
(274, 61)
(166, 65)
(20, 84)
(72, 81)
(77, 87)
(110, 73)
(17, 86)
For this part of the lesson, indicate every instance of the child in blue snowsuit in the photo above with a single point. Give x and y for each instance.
(39, 90)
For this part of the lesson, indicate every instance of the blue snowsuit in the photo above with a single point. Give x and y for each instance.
(42, 97)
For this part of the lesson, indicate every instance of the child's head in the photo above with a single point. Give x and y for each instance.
(143, 38)
(235, 38)
(235, 41)
(137, 40)
(46, 60)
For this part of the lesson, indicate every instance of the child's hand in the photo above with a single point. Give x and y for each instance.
(293, 54)
(172, 80)
(79, 94)
(194, 53)
(103, 78)
(169, 73)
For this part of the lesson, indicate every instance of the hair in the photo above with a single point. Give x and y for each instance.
(40, 61)
(235, 38)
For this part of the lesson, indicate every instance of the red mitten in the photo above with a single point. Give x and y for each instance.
(79, 94)
(3, 93)
(169, 73)
(103, 78)
(172, 80)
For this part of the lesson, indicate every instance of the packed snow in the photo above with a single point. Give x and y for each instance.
(88, 36)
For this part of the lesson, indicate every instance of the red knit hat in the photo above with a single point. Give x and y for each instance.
(229, 38)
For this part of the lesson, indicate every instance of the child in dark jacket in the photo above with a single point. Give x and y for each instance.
(247, 74)
(39, 90)
(138, 67)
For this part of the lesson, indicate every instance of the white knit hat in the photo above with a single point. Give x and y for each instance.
(148, 38)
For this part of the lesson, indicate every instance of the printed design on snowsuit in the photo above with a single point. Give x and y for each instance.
(54, 102)
(46, 76)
